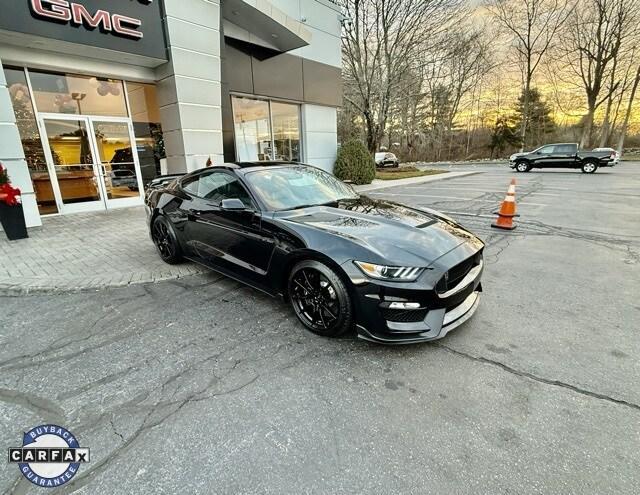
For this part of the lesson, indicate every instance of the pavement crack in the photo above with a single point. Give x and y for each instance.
(45, 408)
(539, 379)
(113, 427)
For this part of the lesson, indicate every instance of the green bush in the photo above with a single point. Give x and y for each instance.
(355, 163)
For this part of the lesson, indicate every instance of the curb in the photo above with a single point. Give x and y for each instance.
(414, 180)
(75, 285)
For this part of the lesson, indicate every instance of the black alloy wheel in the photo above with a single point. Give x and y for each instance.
(589, 167)
(320, 299)
(522, 167)
(165, 240)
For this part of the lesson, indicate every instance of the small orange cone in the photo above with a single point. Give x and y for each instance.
(507, 209)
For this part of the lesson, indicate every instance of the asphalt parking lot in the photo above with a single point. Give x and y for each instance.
(200, 385)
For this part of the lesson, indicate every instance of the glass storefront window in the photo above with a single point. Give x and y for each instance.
(30, 136)
(286, 131)
(252, 129)
(266, 130)
(79, 95)
(145, 115)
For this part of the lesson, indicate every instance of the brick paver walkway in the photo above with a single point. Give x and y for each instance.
(85, 251)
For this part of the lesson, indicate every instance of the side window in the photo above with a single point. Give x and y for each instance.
(191, 185)
(199, 185)
(233, 189)
(216, 186)
(546, 150)
(566, 148)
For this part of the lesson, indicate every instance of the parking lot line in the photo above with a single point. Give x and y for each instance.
(479, 190)
(466, 214)
(453, 198)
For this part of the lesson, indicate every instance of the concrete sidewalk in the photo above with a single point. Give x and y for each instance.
(383, 184)
(85, 251)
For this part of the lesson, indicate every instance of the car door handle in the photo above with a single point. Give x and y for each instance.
(193, 215)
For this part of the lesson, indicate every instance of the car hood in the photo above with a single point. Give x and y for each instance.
(399, 234)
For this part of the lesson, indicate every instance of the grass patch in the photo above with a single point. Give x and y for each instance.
(631, 157)
(404, 173)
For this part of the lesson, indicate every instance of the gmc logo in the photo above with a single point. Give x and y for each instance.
(77, 14)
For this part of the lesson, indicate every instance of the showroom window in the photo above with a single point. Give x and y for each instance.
(80, 95)
(30, 136)
(145, 116)
(266, 130)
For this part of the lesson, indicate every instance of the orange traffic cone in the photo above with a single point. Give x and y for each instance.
(512, 188)
(507, 209)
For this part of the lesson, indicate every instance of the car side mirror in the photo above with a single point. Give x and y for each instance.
(233, 204)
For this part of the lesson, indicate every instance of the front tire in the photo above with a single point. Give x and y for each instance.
(589, 167)
(320, 299)
(166, 241)
(522, 167)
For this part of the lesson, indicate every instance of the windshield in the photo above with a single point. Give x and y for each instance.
(286, 188)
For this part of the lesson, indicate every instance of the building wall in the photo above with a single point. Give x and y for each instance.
(319, 135)
(322, 18)
(310, 75)
(12, 155)
(189, 90)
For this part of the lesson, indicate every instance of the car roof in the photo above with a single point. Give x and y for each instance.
(241, 167)
(264, 163)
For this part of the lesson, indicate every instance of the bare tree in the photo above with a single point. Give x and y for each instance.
(597, 31)
(533, 26)
(627, 115)
(380, 42)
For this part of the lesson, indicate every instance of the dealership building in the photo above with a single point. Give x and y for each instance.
(97, 98)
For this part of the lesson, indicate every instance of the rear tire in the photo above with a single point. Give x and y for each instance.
(589, 167)
(166, 241)
(522, 166)
(320, 299)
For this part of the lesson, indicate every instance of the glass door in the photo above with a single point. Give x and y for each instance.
(92, 162)
(118, 165)
(72, 164)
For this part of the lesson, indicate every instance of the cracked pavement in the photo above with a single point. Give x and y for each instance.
(200, 385)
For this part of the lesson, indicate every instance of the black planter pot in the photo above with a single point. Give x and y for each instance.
(12, 219)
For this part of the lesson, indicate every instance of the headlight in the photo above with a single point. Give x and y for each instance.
(381, 272)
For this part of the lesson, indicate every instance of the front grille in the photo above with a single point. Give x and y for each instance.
(457, 273)
(404, 315)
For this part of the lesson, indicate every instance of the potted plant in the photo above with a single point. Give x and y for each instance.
(11, 213)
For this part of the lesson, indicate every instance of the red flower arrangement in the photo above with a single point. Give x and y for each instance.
(9, 195)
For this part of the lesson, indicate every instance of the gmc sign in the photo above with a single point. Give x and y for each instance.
(131, 26)
(76, 13)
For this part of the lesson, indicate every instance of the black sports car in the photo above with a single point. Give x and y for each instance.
(397, 274)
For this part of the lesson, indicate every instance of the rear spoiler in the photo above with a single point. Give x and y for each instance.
(162, 181)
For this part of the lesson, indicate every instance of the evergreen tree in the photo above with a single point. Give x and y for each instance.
(503, 134)
(540, 124)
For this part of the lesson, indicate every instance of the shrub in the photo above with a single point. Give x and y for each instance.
(355, 163)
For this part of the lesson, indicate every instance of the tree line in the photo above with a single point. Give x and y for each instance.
(451, 79)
